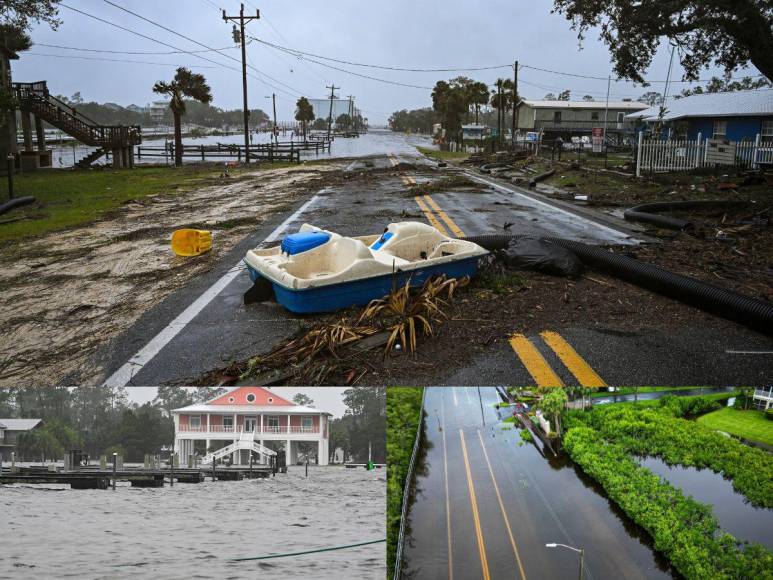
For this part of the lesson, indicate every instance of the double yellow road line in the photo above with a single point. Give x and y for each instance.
(539, 369)
(433, 212)
(476, 516)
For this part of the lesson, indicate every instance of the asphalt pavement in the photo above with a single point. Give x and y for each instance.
(486, 504)
(206, 324)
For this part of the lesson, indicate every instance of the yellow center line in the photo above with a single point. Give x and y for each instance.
(430, 216)
(534, 362)
(502, 508)
(452, 226)
(475, 516)
(448, 500)
(577, 365)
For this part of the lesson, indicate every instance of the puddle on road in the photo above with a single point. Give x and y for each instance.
(67, 293)
(735, 515)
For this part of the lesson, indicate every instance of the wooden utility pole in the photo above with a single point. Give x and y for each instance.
(275, 131)
(515, 99)
(351, 112)
(242, 19)
(330, 114)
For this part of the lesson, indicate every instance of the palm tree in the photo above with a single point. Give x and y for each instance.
(478, 97)
(502, 99)
(304, 113)
(184, 84)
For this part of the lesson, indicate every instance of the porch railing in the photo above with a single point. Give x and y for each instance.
(271, 429)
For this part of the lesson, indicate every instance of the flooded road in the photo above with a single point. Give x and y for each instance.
(487, 505)
(735, 515)
(192, 531)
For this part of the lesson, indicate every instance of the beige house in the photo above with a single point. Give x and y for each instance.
(575, 118)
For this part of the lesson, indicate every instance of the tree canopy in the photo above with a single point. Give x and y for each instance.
(184, 84)
(729, 34)
(717, 85)
(21, 14)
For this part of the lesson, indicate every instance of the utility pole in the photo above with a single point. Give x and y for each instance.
(351, 112)
(240, 38)
(515, 99)
(276, 131)
(330, 115)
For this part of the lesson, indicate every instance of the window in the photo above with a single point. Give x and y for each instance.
(720, 129)
(767, 128)
(270, 400)
(228, 422)
(594, 116)
(273, 421)
(194, 422)
(251, 398)
(231, 399)
(620, 117)
(307, 423)
(557, 117)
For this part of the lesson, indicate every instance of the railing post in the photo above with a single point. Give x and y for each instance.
(638, 155)
(757, 141)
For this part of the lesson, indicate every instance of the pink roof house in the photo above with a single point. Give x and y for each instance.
(250, 419)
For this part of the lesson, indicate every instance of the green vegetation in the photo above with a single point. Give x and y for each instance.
(632, 390)
(72, 198)
(661, 431)
(403, 414)
(526, 435)
(682, 529)
(604, 443)
(443, 155)
(751, 425)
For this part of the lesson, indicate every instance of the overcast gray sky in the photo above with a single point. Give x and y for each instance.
(439, 34)
(325, 398)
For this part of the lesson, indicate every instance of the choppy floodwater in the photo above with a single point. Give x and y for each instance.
(735, 515)
(191, 530)
(375, 142)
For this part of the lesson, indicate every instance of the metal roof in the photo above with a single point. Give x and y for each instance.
(20, 424)
(730, 104)
(250, 409)
(632, 105)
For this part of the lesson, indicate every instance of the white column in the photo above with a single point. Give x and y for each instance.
(209, 425)
(288, 455)
(261, 425)
(235, 454)
(262, 457)
(322, 452)
(206, 446)
(288, 423)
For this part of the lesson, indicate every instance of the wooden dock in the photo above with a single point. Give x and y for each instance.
(280, 151)
(99, 478)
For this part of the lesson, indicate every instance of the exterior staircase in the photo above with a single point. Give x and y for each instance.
(86, 162)
(246, 441)
(34, 98)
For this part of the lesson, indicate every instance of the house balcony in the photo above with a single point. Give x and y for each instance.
(230, 432)
(765, 394)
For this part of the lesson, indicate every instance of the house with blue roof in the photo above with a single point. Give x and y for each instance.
(735, 116)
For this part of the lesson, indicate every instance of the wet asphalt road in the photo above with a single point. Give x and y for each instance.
(485, 505)
(226, 330)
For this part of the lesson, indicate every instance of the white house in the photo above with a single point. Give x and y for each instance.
(10, 429)
(763, 398)
(250, 419)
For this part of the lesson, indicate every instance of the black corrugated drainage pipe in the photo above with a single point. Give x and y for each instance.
(752, 312)
(489, 166)
(16, 202)
(537, 178)
(646, 211)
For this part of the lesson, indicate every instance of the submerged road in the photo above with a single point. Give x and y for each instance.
(486, 504)
(206, 325)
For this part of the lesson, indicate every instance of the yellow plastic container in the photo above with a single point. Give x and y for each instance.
(189, 242)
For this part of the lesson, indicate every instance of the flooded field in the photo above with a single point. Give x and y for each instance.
(735, 515)
(193, 531)
(368, 144)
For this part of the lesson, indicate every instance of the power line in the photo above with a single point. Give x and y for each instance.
(189, 39)
(99, 50)
(114, 60)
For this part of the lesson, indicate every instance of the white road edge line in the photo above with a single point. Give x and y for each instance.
(135, 364)
(749, 352)
(495, 185)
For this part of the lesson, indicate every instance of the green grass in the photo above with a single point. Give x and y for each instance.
(66, 198)
(403, 414)
(443, 155)
(751, 425)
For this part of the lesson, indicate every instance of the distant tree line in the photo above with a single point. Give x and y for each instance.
(196, 113)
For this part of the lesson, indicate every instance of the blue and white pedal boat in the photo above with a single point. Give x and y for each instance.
(315, 270)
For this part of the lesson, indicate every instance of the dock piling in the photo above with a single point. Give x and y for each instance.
(171, 471)
(115, 468)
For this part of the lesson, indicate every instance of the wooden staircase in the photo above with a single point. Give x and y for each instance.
(34, 98)
(86, 162)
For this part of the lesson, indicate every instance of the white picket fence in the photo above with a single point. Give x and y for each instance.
(674, 155)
